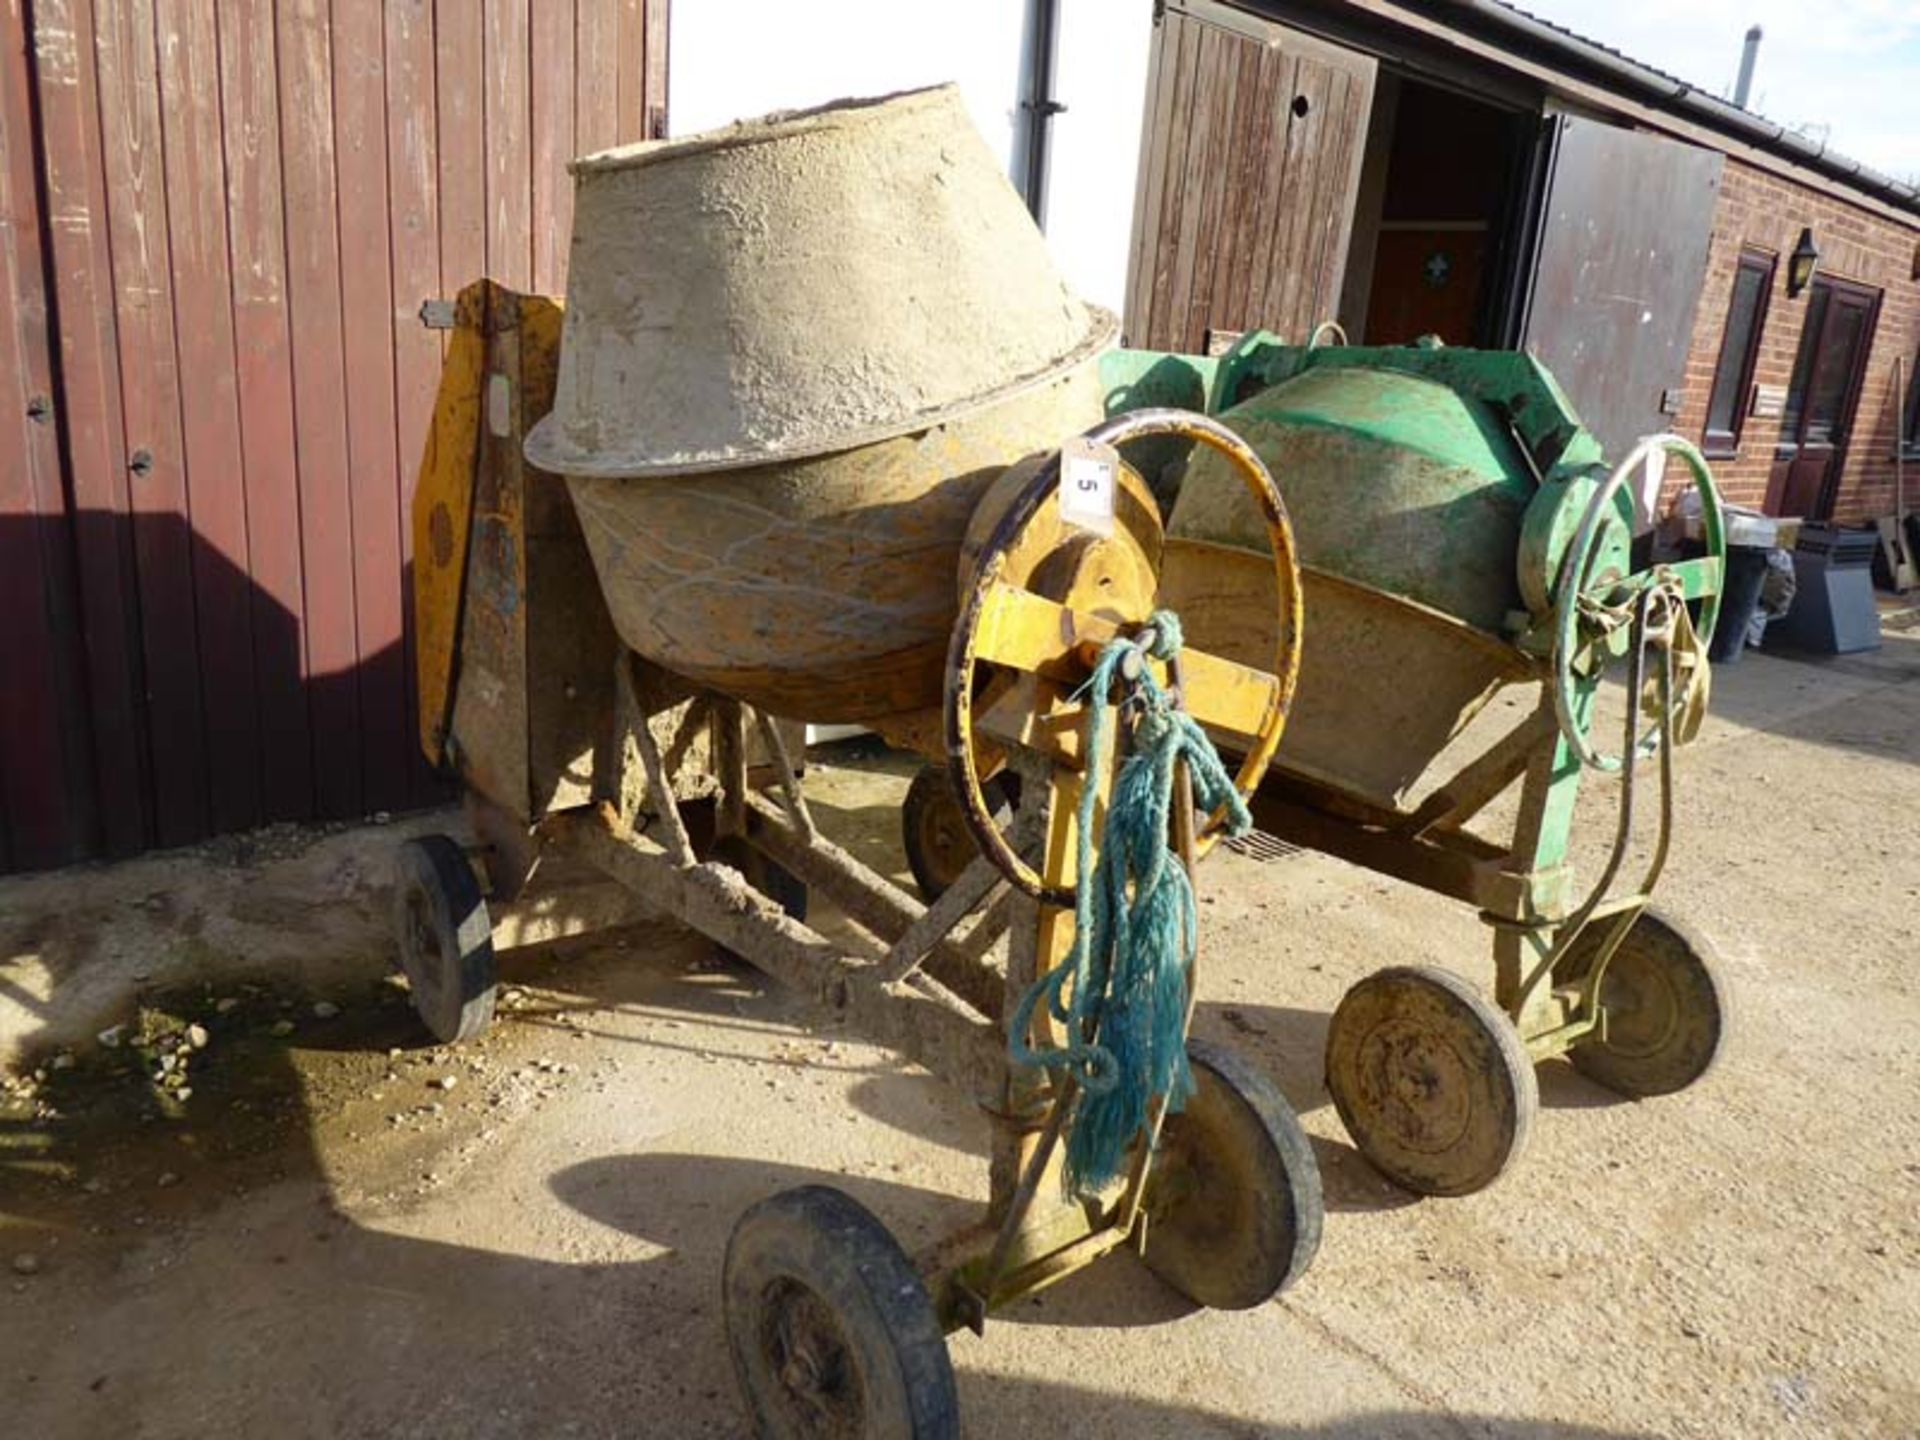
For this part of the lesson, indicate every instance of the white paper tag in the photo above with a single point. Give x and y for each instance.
(1087, 478)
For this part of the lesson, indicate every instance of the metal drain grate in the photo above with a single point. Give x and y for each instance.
(1259, 845)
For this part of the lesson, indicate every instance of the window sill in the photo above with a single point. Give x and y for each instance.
(1720, 450)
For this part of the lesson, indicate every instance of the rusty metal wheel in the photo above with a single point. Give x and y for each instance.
(934, 829)
(445, 938)
(832, 1332)
(1233, 1205)
(1431, 1080)
(1666, 1007)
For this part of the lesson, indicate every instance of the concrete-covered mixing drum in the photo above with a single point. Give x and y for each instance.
(796, 353)
(1410, 496)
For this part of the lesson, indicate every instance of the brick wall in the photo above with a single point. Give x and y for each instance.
(1764, 212)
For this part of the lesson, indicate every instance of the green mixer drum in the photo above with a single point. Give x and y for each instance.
(1407, 498)
(1394, 481)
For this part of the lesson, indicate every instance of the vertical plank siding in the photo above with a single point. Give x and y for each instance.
(1249, 164)
(263, 341)
(36, 658)
(194, 166)
(217, 226)
(413, 201)
(97, 476)
(126, 59)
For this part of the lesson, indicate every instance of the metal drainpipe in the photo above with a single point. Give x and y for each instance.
(1040, 106)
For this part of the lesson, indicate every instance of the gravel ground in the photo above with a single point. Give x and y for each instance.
(294, 1222)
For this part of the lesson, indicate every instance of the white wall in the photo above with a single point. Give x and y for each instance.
(1102, 80)
(732, 59)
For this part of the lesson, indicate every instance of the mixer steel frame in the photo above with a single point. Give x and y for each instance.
(927, 991)
(578, 757)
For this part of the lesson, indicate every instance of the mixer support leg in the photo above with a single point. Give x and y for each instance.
(1018, 1115)
(730, 765)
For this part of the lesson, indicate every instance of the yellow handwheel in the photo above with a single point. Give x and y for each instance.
(1006, 623)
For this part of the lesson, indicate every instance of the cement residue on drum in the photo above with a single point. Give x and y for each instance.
(798, 286)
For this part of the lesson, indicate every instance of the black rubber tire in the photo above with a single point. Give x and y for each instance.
(1431, 1080)
(934, 830)
(868, 1361)
(1234, 1208)
(1669, 1010)
(445, 938)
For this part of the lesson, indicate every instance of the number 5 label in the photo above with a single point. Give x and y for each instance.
(1087, 478)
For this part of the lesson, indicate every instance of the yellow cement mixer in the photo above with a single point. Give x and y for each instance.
(821, 437)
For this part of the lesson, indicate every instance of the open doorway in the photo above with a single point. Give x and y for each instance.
(1437, 199)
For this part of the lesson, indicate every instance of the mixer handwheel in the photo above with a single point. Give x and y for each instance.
(1233, 1206)
(1666, 1007)
(445, 938)
(832, 1332)
(1431, 1080)
(1012, 630)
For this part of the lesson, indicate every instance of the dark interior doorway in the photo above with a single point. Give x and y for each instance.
(1822, 398)
(1437, 199)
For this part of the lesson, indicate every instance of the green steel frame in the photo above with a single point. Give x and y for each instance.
(1587, 607)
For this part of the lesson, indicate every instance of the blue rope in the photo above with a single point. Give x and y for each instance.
(1120, 995)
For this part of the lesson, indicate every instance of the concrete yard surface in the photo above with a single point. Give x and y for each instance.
(339, 1233)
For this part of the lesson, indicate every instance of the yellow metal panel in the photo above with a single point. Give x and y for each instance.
(443, 499)
(443, 515)
(1031, 632)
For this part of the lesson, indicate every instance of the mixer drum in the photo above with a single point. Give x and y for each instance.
(1407, 499)
(796, 352)
(819, 589)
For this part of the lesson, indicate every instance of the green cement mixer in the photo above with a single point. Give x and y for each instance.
(1468, 577)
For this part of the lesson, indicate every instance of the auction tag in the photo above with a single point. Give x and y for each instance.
(1088, 474)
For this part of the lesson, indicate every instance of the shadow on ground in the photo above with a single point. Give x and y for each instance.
(1845, 702)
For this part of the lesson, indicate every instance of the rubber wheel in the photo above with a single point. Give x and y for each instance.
(1431, 1080)
(1666, 1007)
(1233, 1202)
(938, 843)
(832, 1331)
(445, 938)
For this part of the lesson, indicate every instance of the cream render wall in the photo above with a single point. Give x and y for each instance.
(738, 58)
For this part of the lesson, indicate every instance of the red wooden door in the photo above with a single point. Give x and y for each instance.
(1823, 396)
(218, 235)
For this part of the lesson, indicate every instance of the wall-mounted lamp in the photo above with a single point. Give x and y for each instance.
(1801, 263)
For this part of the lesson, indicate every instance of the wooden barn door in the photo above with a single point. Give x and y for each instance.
(221, 221)
(1250, 162)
